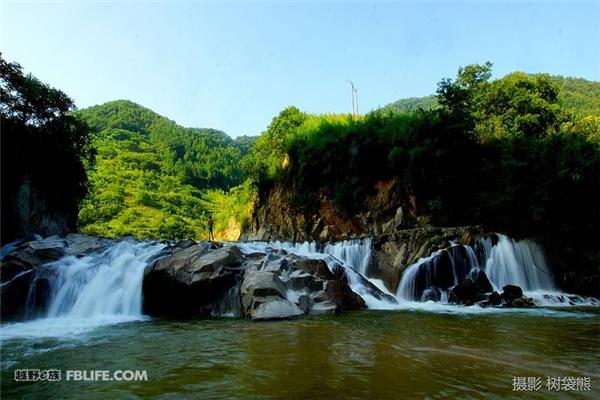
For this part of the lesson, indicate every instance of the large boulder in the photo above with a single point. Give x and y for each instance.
(463, 293)
(276, 309)
(188, 280)
(285, 285)
(394, 252)
(482, 282)
(259, 287)
(521, 302)
(511, 292)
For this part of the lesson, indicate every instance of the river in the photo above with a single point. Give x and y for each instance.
(363, 354)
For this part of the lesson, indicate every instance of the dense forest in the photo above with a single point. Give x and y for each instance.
(155, 179)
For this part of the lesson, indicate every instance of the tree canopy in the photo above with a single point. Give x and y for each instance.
(44, 146)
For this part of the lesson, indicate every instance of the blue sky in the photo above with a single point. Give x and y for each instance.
(233, 66)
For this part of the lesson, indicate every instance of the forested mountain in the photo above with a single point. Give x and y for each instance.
(579, 95)
(154, 178)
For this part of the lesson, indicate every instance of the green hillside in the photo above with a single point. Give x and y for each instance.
(413, 103)
(154, 178)
(576, 94)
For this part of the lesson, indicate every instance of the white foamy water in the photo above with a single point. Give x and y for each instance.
(90, 291)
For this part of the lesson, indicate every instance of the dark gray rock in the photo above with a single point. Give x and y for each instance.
(521, 302)
(511, 292)
(186, 282)
(463, 293)
(257, 287)
(482, 282)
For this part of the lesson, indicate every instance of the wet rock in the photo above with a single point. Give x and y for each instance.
(19, 269)
(338, 292)
(482, 282)
(494, 299)
(521, 302)
(258, 286)
(304, 303)
(432, 294)
(488, 299)
(184, 282)
(393, 253)
(14, 293)
(84, 245)
(317, 268)
(511, 292)
(184, 244)
(276, 309)
(463, 293)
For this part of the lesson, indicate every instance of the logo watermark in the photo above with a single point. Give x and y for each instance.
(552, 384)
(79, 375)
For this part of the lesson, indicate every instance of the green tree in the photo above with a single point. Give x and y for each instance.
(266, 159)
(44, 146)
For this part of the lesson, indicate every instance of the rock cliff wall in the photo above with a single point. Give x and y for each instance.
(385, 211)
(27, 211)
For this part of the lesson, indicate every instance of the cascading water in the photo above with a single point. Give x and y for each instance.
(520, 263)
(106, 287)
(102, 285)
(87, 292)
(507, 262)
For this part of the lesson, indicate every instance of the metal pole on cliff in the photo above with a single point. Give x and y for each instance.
(352, 95)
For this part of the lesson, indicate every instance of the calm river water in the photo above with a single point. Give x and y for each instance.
(356, 355)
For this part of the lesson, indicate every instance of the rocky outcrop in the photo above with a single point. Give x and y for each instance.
(189, 278)
(196, 280)
(392, 254)
(275, 216)
(186, 280)
(512, 296)
(470, 292)
(27, 211)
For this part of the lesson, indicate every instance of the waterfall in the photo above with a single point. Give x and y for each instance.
(356, 253)
(230, 305)
(522, 263)
(353, 255)
(79, 293)
(100, 285)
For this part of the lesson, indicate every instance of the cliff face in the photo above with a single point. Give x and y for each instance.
(400, 236)
(385, 211)
(29, 212)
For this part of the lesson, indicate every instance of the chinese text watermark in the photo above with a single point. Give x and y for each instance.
(552, 384)
(55, 375)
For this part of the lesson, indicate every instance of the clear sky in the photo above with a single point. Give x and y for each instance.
(234, 66)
